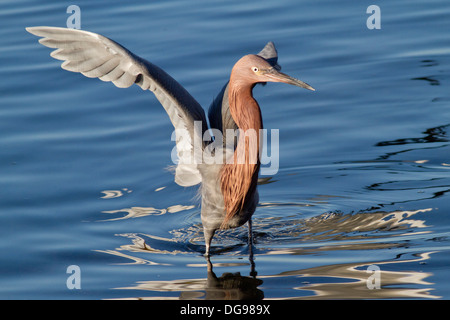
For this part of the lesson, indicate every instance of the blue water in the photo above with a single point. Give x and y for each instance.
(364, 177)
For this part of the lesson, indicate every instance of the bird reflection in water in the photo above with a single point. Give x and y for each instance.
(316, 277)
(338, 281)
(229, 286)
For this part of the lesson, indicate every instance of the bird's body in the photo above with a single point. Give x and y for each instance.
(228, 186)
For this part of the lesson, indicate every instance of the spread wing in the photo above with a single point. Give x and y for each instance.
(96, 56)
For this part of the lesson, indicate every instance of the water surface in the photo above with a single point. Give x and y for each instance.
(364, 177)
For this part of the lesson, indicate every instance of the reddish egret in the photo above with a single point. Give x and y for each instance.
(228, 189)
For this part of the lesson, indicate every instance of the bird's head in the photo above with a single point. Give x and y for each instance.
(252, 69)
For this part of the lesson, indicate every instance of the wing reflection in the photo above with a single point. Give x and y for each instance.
(338, 231)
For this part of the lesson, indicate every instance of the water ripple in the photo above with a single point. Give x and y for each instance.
(139, 212)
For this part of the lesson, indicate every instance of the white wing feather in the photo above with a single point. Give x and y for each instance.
(96, 56)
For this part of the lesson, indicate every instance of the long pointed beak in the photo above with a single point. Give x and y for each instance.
(277, 76)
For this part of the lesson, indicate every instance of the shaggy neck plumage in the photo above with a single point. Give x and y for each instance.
(238, 179)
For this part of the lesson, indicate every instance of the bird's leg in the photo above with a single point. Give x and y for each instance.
(250, 234)
(250, 245)
(209, 266)
(208, 234)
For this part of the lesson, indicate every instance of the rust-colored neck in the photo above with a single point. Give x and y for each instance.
(238, 179)
(243, 107)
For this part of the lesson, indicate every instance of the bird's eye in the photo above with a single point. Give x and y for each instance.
(255, 69)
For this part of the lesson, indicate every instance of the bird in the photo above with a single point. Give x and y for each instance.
(228, 186)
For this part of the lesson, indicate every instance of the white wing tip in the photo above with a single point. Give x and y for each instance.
(187, 175)
(38, 31)
(32, 30)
